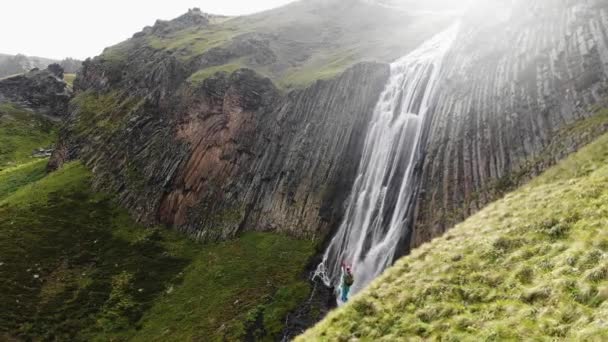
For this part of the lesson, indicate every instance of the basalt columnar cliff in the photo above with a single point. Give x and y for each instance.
(513, 87)
(215, 125)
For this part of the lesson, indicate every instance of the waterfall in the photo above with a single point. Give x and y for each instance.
(374, 220)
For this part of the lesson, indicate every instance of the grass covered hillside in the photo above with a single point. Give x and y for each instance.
(75, 267)
(532, 266)
(294, 45)
(22, 131)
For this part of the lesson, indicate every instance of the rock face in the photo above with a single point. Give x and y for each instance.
(227, 154)
(520, 75)
(41, 90)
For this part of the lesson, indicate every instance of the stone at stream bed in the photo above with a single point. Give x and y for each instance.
(42, 152)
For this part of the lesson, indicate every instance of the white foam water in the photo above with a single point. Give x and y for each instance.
(374, 220)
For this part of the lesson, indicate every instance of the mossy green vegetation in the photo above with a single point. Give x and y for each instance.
(531, 266)
(201, 75)
(103, 112)
(225, 288)
(194, 41)
(21, 132)
(74, 266)
(325, 67)
(69, 79)
(13, 178)
(293, 45)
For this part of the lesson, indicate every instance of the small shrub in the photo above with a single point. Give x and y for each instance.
(429, 313)
(536, 294)
(569, 315)
(121, 309)
(584, 294)
(572, 217)
(473, 294)
(364, 307)
(554, 228)
(591, 259)
(597, 274)
(504, 244)
(421, 329)
(572, 260)
(555, 329)
(546, 265)
(464, 322)
(602, 245)
(525, 275)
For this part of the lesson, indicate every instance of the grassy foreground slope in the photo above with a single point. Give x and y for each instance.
(22, 131)
(532, 266)
(74, 266)
(12, 179)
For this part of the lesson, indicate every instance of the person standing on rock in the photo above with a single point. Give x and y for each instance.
(347, 281)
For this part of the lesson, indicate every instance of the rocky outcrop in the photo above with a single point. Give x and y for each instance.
(230, 153)
(43, 91)
(519, 75)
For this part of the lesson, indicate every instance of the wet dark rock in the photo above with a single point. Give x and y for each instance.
(321, 301)
(42, 152)
(56, 70)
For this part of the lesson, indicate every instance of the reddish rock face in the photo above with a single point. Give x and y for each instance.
(231, 153)
(220, 130)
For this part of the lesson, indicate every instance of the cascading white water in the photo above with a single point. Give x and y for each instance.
(373, 223)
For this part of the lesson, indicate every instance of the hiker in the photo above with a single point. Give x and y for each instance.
(347, 281)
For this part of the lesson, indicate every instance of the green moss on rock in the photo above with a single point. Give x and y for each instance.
(201, 75)
(102, 112)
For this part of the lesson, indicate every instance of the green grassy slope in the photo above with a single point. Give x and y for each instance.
(74, 266)
(12, 179)
(21, 132)
(308, 40)
(69, 79)
(532, 266)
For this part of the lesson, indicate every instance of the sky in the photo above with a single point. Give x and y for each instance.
(83, 28)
